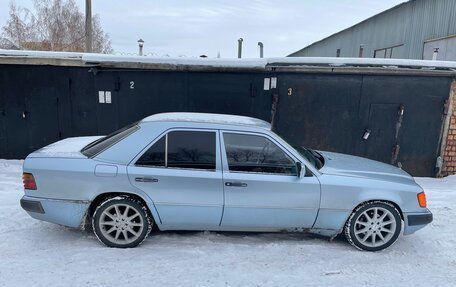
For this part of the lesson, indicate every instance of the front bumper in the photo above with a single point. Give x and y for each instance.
(416, 220)
(70, 213)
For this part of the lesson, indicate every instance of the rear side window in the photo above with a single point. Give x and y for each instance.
(103, 143)
(155, 155)
(182, 149)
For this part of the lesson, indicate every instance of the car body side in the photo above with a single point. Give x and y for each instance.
(69, 184)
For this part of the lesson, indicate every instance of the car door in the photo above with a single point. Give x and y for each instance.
(181, 172)
(261, 186)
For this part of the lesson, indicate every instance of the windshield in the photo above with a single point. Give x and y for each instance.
(313, 157)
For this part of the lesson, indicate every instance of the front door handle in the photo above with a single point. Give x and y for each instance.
(236, 184)
(145, 179)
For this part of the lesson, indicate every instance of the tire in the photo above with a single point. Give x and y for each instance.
(121, 222)
(373, 226)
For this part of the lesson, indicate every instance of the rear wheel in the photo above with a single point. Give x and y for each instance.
(121, 222)
(373, 226)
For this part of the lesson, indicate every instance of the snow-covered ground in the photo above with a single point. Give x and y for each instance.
(34, 253)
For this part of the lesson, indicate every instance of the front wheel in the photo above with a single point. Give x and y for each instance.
(121, 222)
(373, 226)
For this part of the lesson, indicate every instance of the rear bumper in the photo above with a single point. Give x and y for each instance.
(70, 213)
(415, 221)
(419, 219)
(32, 206)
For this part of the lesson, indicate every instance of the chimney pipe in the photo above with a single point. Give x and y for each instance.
(240, 47)
(141, 45)
(361, 50)
(260, 44)
(434, 56)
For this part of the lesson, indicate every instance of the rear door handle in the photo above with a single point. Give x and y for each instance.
(145, 179)
(236, 184)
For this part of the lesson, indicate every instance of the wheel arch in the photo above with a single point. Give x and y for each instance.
(376, 200)
(334, 220)
(106, 195)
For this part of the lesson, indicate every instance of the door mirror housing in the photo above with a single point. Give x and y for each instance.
(299, 168)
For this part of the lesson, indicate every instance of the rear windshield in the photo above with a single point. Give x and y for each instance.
(103, 143)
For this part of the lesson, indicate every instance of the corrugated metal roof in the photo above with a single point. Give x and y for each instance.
(409, 24)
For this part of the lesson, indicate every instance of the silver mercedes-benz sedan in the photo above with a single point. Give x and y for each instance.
(192, 171)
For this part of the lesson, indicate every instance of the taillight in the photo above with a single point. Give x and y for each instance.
(422, 199)
(29, 181)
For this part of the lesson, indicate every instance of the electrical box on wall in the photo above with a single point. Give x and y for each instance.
(104, 97)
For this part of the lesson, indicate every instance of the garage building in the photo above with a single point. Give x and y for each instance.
(417, 29)
(396, 111)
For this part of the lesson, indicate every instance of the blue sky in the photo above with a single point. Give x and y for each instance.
(192, 28)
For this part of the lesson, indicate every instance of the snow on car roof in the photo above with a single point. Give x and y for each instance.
(208, 118)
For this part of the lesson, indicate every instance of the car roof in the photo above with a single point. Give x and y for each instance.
(208, 118)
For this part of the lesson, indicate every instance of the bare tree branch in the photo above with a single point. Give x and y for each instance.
(56, 25)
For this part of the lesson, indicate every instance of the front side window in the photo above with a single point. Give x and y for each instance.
(182, 149)
(252, 153)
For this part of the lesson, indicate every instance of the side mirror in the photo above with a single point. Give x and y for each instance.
(299, 168)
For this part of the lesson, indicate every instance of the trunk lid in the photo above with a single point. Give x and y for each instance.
(67, 148)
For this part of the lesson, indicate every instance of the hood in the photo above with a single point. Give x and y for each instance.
(348, 165)
(67, 148)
